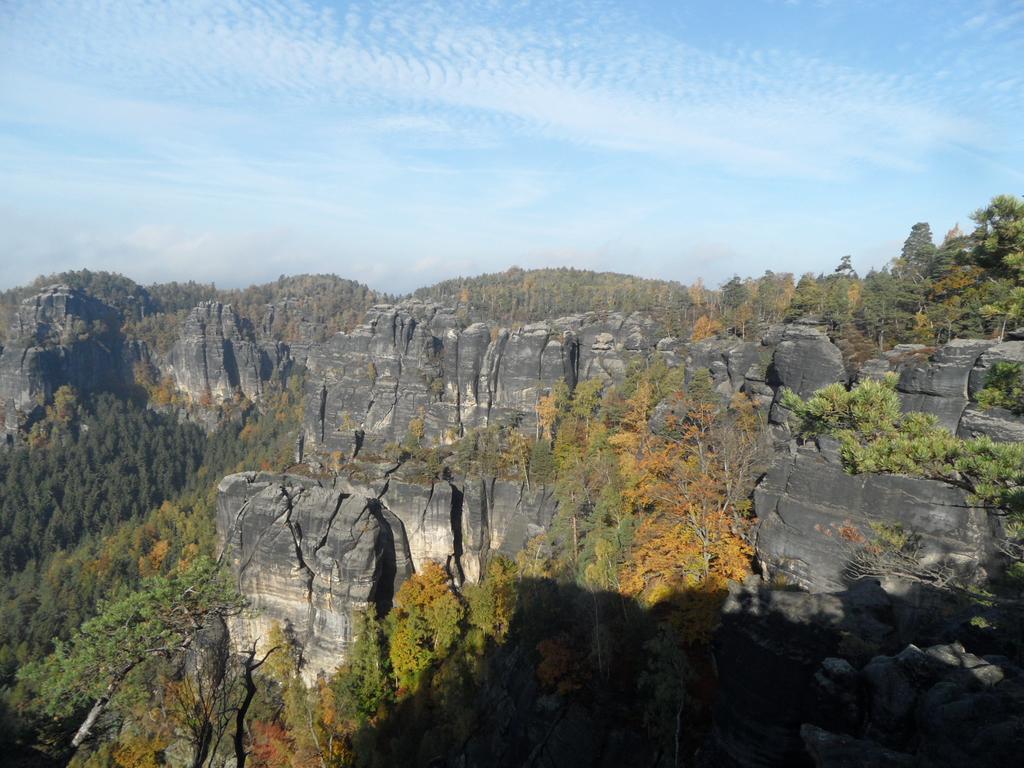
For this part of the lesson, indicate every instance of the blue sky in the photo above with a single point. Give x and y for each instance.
(402, 143)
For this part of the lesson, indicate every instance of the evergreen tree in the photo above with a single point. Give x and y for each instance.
(917, 259)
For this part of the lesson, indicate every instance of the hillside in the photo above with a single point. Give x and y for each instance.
(519, 296)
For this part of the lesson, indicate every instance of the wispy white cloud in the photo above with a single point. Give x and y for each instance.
(403, 140)
(588, 74)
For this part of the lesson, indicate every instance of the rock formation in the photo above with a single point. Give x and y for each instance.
(62, 336)
(820, 679)
(940, 707)
(307, 553)
(808, 508)
(217, 356)
(770, 644)
(798, 681)
(412, 361)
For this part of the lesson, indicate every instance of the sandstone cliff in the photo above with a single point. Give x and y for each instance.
(218, 356)
(413, 361)
(62, 336)
(307, 553)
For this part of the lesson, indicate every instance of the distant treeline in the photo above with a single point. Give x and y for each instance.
(970, 284)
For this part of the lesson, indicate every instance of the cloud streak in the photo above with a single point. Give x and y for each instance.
(590, 76)
(467, 133)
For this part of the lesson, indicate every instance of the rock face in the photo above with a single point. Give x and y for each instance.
(217, 356)
(939, 706)
(805, 360)
(940, 387)
(807, 506)
(818, 679)
(412, 361)
(811, 706)
(308, 553)
(947, 384)
(767, 650)
(62, 336)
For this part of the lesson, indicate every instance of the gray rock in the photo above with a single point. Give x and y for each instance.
(996, 423)
(789, 694)
(805, 361)
(412, 361)
(62, 336)
(729, 360)
(1006, 352)
(767, 652)
(939, 707)
(218, 356)
(874, 370)
(940, 386)
(806, 501)
(307, 555)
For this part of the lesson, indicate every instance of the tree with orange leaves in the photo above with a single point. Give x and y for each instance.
(705, 328)
(692, 479)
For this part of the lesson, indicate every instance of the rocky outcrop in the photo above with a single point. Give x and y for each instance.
(62, 336)
(767, 650)
(819, 679)
(940, 386)
(217, 356)
(1004, 352)
(413, 361)
(811, 512)
(997, 423)
(733, 363)
(307, 553)
(805, 360)
(500, 516)
(812, 518)
(940, 707)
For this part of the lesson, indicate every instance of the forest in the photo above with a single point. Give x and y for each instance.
(112, 592)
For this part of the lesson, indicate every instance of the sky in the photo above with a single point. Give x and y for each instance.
(399, 144)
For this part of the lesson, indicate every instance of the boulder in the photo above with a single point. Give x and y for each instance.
(940, 707)
(805, 361)
(997, 423)
(940, 386)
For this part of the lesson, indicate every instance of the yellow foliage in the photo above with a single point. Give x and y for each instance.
(139, 752)
(705, 328)
(152, 562)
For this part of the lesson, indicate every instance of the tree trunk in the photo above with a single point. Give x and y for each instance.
(250, 665)
(679, 728)
(203, 747)
(243, 709)
(90, 720)
(97, 709)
